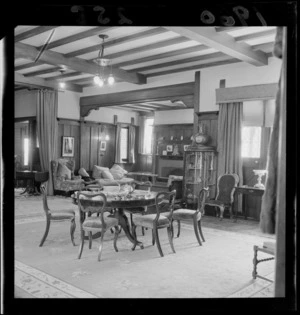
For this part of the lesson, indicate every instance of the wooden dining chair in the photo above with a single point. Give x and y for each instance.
(54, 215)
(138, 210)
(190, 215)
(157, 221)
(95, 204)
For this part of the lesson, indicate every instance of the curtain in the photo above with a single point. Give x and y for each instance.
(268, 206)
(118, 145)
(131, 144)
(229, 139)
(142, 120)
(47, 130)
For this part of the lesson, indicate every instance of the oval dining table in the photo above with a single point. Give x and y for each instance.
(121, 200)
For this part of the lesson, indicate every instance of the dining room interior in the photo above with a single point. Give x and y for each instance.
(109, 121)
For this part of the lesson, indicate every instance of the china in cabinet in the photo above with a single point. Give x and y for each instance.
(199, 172)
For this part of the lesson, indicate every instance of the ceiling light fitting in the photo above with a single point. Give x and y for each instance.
(62, 84)
(104, 75)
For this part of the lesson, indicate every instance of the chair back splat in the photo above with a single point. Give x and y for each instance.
(95, 203)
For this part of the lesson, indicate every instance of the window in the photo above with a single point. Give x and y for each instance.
(26, 151)
(124, 143)
(251, 141)
(147, 141)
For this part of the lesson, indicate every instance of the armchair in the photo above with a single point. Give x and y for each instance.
(64, 180)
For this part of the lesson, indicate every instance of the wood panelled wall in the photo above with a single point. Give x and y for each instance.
(91, 136)
(210, 122)
(69, 128)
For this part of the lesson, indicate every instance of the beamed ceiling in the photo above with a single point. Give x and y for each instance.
(137, 53)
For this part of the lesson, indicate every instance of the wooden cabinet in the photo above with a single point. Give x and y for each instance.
(199, 171)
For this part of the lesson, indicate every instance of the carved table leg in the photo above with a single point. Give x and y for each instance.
(123, 221)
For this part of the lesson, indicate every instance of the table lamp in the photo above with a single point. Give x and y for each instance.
(260, 174)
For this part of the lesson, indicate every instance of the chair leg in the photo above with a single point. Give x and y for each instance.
(143, 231)
(72, 230)
(153, 237)
(101, 244)
(200, 230)
(157, 241)
(90, 239)
(230, 211)
(46, 232)
(196, 231)
(134, 235)
(81, 244)
(254, 272)
(117, 232)
(178, 223)
(170, 235)
(221, 212)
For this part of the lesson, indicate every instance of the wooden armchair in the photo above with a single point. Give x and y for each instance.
(225, 191)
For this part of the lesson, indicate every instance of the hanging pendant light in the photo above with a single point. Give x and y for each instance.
(101, 77)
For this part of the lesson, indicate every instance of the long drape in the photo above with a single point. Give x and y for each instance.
(118, 145)
(229, 139)
(268, 206)
(131, 157)
(47, 130)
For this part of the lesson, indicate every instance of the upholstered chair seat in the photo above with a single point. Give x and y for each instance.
(62, 214)
(147, 220)
(95, 222)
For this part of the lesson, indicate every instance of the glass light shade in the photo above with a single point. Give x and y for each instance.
(101, 82)
(96, 79)
(111, 80)
(62, 85)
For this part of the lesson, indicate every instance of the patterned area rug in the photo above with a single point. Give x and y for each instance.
(222, 267)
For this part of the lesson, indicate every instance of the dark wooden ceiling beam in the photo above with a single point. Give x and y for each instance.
(176, 91)
(40, 72)
(200, 66)
(117, 41)
(195, 67)
(64, 41)
(255, 35)
(33, 32)
(39, 82)
(222, 42)
(163, 55)
(77, 64)
(217, 55)
(160, 44)
(228, 28)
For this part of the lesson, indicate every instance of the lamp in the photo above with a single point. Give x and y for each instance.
(62, 84)
(260, 174)
(102, 76)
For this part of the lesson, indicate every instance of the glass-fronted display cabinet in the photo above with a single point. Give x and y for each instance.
(199, 171)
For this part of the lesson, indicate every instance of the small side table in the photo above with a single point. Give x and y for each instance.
(28, 176)
(245, 190)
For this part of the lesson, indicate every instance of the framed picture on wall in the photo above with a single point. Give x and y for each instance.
(103, 146)
(169, 148)
(67, 146)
